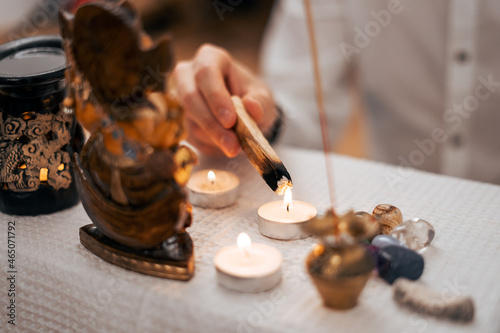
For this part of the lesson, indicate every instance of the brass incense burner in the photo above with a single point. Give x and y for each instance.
(340, 266)
(132, 171)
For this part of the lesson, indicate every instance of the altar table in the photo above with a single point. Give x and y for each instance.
(62, 287)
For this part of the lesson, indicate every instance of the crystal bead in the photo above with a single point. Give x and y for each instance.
(416, 233)
(395, 261)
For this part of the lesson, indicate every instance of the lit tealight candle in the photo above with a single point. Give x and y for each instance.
(284, 219)
(248, 267)
(213, 188)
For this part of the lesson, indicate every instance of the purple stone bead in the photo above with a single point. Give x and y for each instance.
(382, 241)
(395, 261)
(373, 251)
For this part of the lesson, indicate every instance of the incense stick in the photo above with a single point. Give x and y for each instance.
(320, 100)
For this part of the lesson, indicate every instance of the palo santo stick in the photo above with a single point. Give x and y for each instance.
(427, 301)
(260, 153)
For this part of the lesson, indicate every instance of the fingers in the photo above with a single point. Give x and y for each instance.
(253, 108)
(212, 87)
(205, 85)
(195, 132)
(198, 138)
(260, 105)
(198, 112)
(211, 68)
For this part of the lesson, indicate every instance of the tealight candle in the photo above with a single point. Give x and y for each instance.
(213, 188)
(248, 267)
(284, 220)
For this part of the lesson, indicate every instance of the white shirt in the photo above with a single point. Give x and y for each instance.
(429, 72)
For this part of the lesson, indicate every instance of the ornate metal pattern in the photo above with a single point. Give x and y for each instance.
(31, 150)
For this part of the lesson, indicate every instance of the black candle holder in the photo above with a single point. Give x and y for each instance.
(38, 134)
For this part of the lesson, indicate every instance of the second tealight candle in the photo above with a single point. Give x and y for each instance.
(284, 220)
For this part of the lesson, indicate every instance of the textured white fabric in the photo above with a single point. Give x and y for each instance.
(62, 287)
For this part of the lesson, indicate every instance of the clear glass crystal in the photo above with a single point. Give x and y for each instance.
(415, 233)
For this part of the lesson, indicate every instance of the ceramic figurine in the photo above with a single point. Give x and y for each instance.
(132, 171)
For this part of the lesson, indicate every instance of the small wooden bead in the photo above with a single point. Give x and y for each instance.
(388, 217)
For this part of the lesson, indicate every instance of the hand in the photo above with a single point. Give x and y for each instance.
(204, 86)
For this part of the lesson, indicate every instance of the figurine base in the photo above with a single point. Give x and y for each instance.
(173, 259)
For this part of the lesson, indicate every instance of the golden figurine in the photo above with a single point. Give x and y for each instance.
(132, 171)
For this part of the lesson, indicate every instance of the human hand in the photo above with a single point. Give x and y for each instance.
(205, 84)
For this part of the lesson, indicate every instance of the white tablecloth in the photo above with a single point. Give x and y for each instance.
(62, 287)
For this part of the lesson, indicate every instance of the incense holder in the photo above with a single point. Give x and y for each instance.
(132, 172)
(339, 273)
(340, 266)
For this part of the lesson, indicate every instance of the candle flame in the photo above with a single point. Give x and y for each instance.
(211, 177)
(287, 199)
(244, 242)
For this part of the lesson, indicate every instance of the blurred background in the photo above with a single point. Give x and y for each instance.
(236, 25)
(191, 22)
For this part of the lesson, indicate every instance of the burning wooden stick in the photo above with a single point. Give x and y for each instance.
(260, 153)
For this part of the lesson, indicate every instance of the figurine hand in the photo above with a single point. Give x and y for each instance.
(205, 85)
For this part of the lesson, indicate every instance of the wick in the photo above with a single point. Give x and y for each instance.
(288, 207)
(247, 253)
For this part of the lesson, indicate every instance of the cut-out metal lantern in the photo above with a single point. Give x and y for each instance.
(37, 133)
(132, 170)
